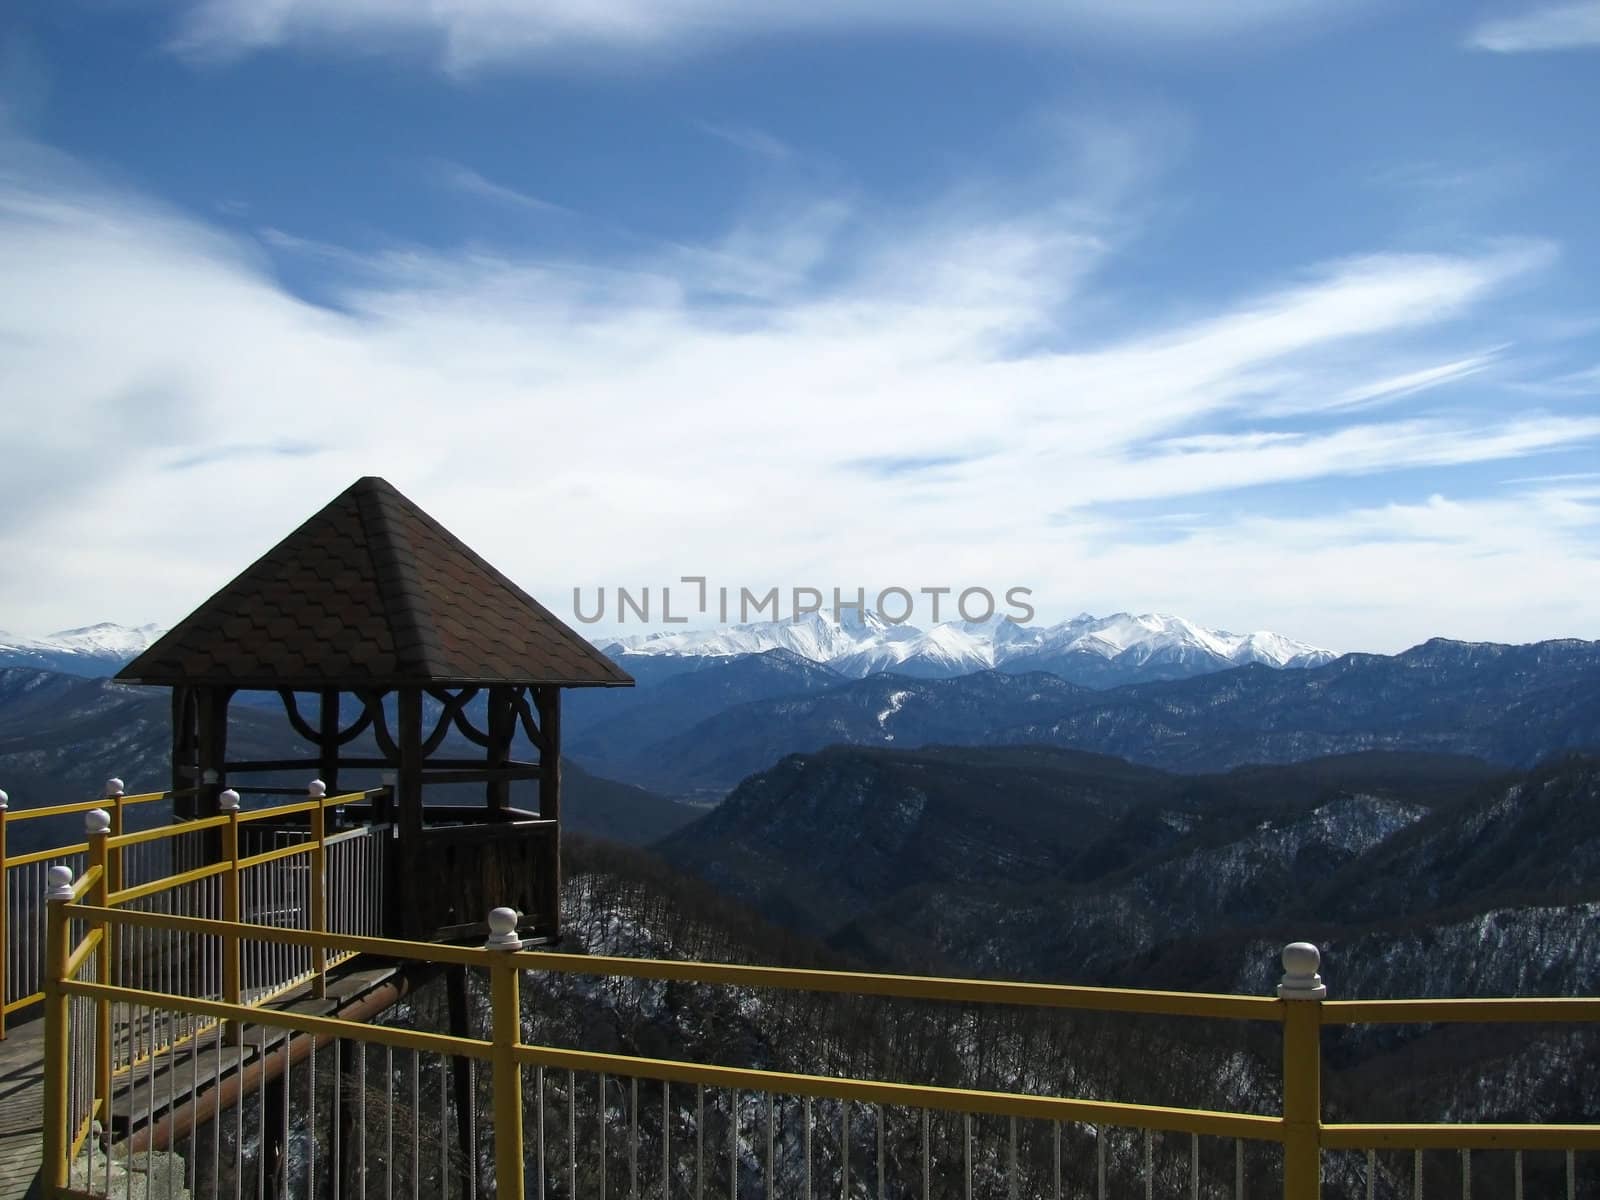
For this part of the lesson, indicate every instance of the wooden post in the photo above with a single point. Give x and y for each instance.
(506, 1035)
(97, 827)
(328, 738)
(319, 885)
(501, 726)
(185, 738)
(114, 875)
(408, 799)
(548, 701)
(57, 1034)
(1302, 992)
(228, 802)
(211, 745)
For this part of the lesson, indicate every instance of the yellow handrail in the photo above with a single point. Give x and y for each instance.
(1299, 1008)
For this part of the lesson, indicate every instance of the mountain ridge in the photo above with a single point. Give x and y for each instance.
(1117, 647)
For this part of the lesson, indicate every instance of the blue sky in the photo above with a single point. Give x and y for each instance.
(1273, 313)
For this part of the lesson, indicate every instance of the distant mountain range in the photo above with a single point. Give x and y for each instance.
(1098, 651)
(94, 650)
(707, 730)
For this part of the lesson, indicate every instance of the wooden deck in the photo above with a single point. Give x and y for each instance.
(148, 1095)
(21, 1109)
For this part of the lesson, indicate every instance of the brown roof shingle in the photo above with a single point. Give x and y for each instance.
(371, 592)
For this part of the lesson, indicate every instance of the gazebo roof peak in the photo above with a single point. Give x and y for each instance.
(371, 592)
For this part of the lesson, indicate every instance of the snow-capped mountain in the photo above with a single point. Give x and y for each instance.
(1100, 650)
(94, 650)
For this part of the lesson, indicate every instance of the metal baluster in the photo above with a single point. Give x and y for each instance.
(1372, 1173)
(1149, 1165)
(844, 1150)
(966, 1152)
(472, 1129)
(238, 1123)
(1100, 1161)
(1416, 1175)
(1194, 1166)
(1516, 1175)
(1011, 1160)
(1058, 1159)
(416, 1121)
(602, 1137)
(444, 1126)
(927, 1158)
(172, 1087)
(772, 1184)
(733, 1144)
(806, 1123)
(700, 1144)
(261, 1108)
(633, 1138)
(1572, 1176)
(538, 1108)
(666, 1139)
(1238, 1169)
(333, 1112)
(311, 1120)
(572, 1135)
(361, 1117)
(882, 1194)
(1466, 1173)
(388, 1124)
(288, 1059)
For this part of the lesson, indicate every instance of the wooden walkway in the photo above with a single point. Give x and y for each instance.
(150, 1095)
(21, 1109)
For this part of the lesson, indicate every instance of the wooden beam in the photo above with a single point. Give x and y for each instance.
(501, 720)
(548, 699)
(408, 800)
(185, 774)
(328, 739)
(211, 740)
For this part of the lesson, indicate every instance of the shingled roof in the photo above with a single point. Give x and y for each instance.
(371, 592)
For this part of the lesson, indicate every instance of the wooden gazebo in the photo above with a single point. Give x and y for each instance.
(373, 611)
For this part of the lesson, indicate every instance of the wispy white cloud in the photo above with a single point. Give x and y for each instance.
(473, 33)
(710, 408)
(1571, 26)
(469, 182)
(757, 142)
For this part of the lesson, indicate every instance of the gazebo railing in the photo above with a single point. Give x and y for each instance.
(22, 878)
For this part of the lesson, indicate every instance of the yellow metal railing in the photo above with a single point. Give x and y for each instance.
(1299, 1010)
(88, 917)
(22, 888)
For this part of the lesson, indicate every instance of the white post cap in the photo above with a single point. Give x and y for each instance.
(1300, 979)
(113, 788)
(4, 799)
(228, 801)
(97, 822)
(58, 882)
(503, 930)
(316, 789)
